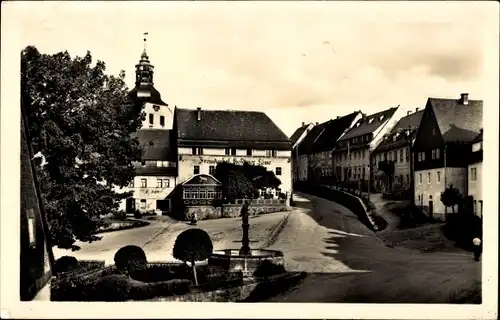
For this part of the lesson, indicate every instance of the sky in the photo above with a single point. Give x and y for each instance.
(296, 61)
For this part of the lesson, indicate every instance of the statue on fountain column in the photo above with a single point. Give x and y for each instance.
(245, 248)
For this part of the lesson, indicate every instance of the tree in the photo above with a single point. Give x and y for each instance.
(81, 123)
(193, 245)
(451, 197)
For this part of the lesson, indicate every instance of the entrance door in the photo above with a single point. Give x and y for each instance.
(130, 205)
(431, 208)
(163, 205)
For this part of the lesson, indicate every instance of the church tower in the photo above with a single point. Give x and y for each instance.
(158, 113)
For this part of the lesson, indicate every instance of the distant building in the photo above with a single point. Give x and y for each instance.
(320, 157)
(304, 150)
(351, 156)
(475, 169)
(207, 137)
(297, 137)
(395, 147)
(442, 149)
(157, 171)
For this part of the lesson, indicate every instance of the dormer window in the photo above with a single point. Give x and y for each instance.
(156, 107)
(370, 120)
(357, 124)
(381, 118)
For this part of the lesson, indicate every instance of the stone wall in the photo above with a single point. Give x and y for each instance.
(229, 211)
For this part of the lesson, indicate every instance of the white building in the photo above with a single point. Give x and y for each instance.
(475, 169)
(297, 137)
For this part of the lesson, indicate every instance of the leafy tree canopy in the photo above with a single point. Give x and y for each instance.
(81, 123)
(192, 245)
(242, 181)
(450, 197)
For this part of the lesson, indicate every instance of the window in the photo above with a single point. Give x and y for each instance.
(271, 153)
(218, 194)
(419, 156)
(249, 152)
(228, 151)
(131, 183)
(438, 176)
(151, 118)
(211, 170)
(143, 203)
(423, 155)
(159, 183)
(197, 151)
(401, 155)
(433, 155)
(196, 170)
(203, 194)
(428, 177)
(166, 183)
(162, 121)
(210, 194)
(364, 172)
(233, 151)
(437, 153)
(407, 154)
(420, 178)
(144, 183)
(143, 163)
(408, 178)
(278, 171)
(166, 164)
(473, 174)
(31, 227)
(385, 156)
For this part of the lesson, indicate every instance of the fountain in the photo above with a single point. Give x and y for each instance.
(245, 260)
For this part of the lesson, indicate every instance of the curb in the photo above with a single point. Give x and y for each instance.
(273, 236)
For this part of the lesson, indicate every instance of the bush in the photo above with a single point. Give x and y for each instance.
(267, 268)
(114, 287)
(120, 215)
(65, 264)
(137, 214)
(130, 258)
(154, 273)
(143, 291)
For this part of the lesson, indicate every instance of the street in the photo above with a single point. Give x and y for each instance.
(347, 263)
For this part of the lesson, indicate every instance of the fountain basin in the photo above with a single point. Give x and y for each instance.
(232, 261)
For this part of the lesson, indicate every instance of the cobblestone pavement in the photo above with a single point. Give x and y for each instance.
(346, 262)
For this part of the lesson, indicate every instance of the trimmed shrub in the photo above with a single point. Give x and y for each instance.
(65, 264)
(193, 245)
(114, 287)
(137, 214)
(143, 291)
(130, 258)
(120, 215)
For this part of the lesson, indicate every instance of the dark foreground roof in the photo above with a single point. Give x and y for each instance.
(332, 131)
(395, 138)
(296, 135)
(229, 128)
(154, 96)
(369, 124)
(458, 122)
(306, 144)
(156, 144)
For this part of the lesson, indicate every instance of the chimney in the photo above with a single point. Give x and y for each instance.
(338, 117)
(198, 113)
(464, 99)
(408, 112)
(303, 124)
(317, 123)
(416, 109)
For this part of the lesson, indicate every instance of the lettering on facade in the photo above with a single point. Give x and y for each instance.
(234, 160)
(198, 202)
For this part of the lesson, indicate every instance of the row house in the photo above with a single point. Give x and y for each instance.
(297, 137)
(351, 157)
(207, 137)
(304, 150)
(320, 157)
(442, 150)
(396, 148)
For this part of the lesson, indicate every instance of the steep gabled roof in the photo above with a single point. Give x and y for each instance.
(296, 135)
(333, 130)
(156, 144)
(411, 121)
(369, 124)
(229, 128)
(306, 144)
(457, 121)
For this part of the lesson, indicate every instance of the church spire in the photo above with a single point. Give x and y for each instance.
(144, 69)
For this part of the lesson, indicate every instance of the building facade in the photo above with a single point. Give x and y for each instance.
(442, 152)
(297, 137)
(208, 137)
(303, 152)
(396, 148)
(351, 157)
(475, 171)
(156, 173)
